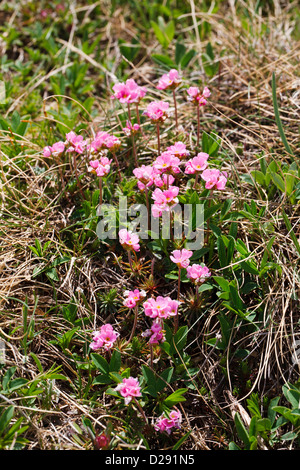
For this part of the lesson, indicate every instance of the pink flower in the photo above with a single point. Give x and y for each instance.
(131, 129)
(75, 143)
(161, 307)
(157, 111)
(162, 180)
(169, 80)
(128, 92)
(178, 150)
(215, 179)
(101, 167)
(164, 200)
(57, 148)
(133, 297)
(181, 257)
(167, 163)
(196, 97)
(104, 338)
(157, 333)
(129, 388)
(145, 175)
(167, 423)
(197, 273)
(196, 164)
(104, 141)
(47, 151)
(129, 240)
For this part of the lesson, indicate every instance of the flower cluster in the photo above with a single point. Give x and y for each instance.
(105, 338)
(157, 111)
(169, 422)
(181, 257)
(133, 297)
(197, 273)
(164, 200)
(131, 129)
(129, 389)
(128, 92)
(196, 164)
(129, 240)
(196, 97)
(161, 307)
(156, 333)
(169, 80)
(101, 167)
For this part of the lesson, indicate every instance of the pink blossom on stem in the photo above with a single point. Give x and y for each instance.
(167, 163)
(101, 167)
(178, 150)
(129, 240)
(168, 423)
(128, 92)
(162, 180)
(75, 143)
(145, 175)
(196, 164)
(181, 257)
(133, 297)
(169, 80)
(131, 129)
(161, 307)
(104, 338)
(157, 111)
(47, 151)
(164, 200)
(195, 96)
(214, 178)
(197, 273)
(57, 149)
(129, 388)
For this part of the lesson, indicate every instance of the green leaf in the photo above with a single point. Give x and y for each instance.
(187, 58)
(5, 418)
(278, 181)
(291, 232)
(165, 60)
(115, 362)
(179, 52)
(182, 440)
(277, 116)
(175, 397)
(241, 430)
(100, 363)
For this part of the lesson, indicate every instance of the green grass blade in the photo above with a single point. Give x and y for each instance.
(277, 116)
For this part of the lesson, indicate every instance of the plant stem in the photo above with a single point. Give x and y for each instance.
(137, 114)
(140, 410)
(118, 165)
(147, 205)
(176, 115)
(151, 356)
(196, 181)
(178, 297)
(132, 140)
(130, 261)
(76, 174)
(158, 138)
(100, 191)
(198, 125)
(134, 323)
